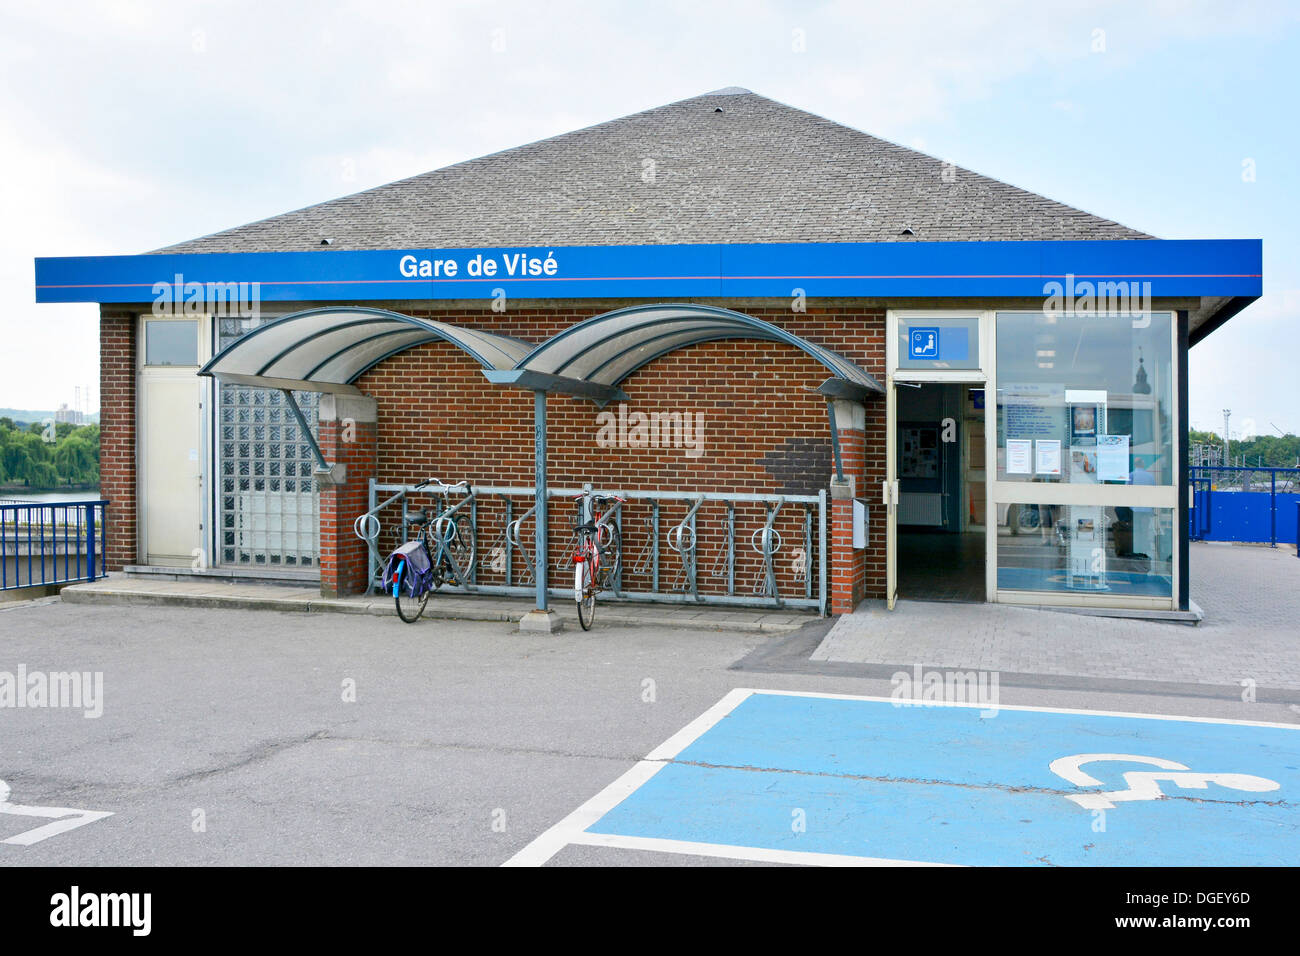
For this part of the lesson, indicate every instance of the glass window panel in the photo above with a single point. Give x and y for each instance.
(1085, 399)
(171, 342)
(938, 343)
(1086, 549)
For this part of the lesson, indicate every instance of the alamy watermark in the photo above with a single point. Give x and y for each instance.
(1128, 299)
(934, 688)
(77, 908)
(74, 690)
(233, 300)
(635, 429)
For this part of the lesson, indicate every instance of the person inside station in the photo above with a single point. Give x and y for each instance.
(1143, 520)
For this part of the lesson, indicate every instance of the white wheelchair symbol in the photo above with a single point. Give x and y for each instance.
(64, 819)
(1145, 784)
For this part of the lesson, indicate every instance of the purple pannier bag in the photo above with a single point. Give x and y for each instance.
(418, 578)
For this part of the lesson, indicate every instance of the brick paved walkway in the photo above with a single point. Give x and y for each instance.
(1251, 599)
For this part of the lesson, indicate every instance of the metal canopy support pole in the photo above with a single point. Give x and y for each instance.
(306, 429)
(835, 439)
(822, 557)
(539, 478)
(541, 618)
(1272, 511)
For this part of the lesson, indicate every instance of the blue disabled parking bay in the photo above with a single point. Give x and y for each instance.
(868, 779)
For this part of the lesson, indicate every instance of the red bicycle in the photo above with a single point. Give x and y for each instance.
(598, 560)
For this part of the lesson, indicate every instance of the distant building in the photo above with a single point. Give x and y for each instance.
(70, 415)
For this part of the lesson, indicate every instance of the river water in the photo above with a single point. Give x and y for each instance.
(54, 497)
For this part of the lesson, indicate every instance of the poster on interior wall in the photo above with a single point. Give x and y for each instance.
(1047, 456)
(1083, 423)
(918, 453)
(1112, 458)
(1032, 410)
(1083, 465)
(1019, 456)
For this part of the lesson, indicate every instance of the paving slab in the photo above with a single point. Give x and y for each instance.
(1251, 602)
(121, 590)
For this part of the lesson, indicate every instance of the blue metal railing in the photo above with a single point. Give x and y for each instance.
(1245, 504)
(48, 542)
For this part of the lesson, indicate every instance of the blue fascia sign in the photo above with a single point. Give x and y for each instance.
(1153, 267)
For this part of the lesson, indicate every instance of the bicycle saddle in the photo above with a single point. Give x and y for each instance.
(588, 528)
(420, 517)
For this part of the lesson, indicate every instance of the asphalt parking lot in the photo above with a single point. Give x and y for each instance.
(263, 737)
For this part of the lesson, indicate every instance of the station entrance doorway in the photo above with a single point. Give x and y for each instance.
(941, 491)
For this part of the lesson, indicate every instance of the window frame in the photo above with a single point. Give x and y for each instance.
(1002, 492)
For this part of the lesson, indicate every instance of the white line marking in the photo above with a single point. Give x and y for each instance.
(674, 745)
(729, 852)
(940, 705)
(563, 833)
(65, 819)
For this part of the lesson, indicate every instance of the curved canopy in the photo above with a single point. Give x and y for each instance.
(327, 349)
(604, 350)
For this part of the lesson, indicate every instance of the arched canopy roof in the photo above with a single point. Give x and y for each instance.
(604, 350)
(327, 349)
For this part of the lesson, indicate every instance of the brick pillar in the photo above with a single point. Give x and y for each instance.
(348, 439)
(848, 564)
(117, 452)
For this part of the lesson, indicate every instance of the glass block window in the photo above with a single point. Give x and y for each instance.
(267, 502)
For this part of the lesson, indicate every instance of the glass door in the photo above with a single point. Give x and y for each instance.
(926, 347)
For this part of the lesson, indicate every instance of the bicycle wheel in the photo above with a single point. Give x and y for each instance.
(409, 608)
(611, 560)
(585, 592)
(460, 545)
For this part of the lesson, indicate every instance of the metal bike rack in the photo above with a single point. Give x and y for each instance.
(681, 536)
(727, 557)
(368, 527)
(647, 561)
(511, 531)
(686, 576)
(762, 538)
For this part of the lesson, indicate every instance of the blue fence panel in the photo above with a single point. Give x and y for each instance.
(1245, 504)
(1248, 516)
(43, 543)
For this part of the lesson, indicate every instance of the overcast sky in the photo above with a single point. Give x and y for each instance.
(125, 126)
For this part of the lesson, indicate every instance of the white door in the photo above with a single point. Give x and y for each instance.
(170, 459)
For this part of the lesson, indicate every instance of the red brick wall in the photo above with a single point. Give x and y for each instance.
(117, 434)
(765, 430)
(343, 556)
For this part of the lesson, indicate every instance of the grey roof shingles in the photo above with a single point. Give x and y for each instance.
(728, 167)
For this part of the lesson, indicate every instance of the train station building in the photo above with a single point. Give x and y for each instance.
(822, 367)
